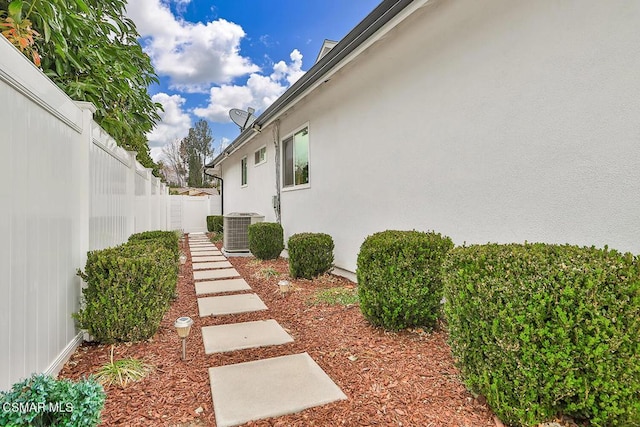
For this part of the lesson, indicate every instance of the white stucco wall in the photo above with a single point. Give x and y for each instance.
(487, 121)
(256, 195)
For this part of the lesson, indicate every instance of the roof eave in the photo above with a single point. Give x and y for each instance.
(380, 16)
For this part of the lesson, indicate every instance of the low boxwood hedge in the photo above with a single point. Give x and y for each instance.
(215, 223)
(310, 254)
(399, 281)
(266, 240)
(542, 330)
(168, 239)
(129, 288)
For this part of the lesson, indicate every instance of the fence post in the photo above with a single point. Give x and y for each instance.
(83, 165)
(149, 203)
(131, 193)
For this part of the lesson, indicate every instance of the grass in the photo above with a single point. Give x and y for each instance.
(122, 371)
(335, 296)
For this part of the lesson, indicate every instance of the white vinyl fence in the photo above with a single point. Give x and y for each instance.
(189, 213)
(65, 189)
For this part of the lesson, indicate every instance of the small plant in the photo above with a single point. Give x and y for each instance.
(399, 279)
(268, 273)
(310, 254)
(266, 240)
(122, 371)
(42, 401)
(215, 223)
(335, 296)
(215, 237)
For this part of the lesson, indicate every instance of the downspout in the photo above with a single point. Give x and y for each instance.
(276, 143)
(221, 190)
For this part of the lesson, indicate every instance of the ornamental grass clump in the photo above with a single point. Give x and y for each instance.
(399, 280)
(266, 240)
(310, 254)
(546, 330)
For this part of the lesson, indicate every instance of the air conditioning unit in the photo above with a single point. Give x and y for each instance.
(235, 236)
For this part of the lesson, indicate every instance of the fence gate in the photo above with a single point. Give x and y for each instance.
(189, 213)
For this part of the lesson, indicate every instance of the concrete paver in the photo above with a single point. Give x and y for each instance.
(229, 304)
(203, 249)
(269, 388)
(208, 258)
(206, 253)
(238, 336)
(221, 273)
(210, 265)
(221, 285)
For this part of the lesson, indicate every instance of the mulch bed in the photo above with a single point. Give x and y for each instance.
(391, 379)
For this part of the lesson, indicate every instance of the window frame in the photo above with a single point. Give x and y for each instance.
(291, 135)
(244, 172)
(264, 160)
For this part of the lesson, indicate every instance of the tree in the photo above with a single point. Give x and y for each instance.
(195, 150)
(90, 50)
(177, 170)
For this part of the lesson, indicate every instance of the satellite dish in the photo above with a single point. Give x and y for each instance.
(242, 118)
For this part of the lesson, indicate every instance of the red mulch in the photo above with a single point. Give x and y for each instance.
(390, 379)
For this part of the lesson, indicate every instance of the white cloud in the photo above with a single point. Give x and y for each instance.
(193, 55)
(259, 92)
(174, 123)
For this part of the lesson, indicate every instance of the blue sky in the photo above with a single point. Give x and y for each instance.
(212, 56)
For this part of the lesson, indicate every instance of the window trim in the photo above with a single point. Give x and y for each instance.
(295, 187)
(244, 172)
(263, 161)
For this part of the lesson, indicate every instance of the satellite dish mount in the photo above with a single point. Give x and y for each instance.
(242, 118)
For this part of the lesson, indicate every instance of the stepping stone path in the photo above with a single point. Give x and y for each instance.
(259, 389)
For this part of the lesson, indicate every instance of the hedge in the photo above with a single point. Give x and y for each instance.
(266, 240)
(399, 281)
(215, 223)
(168, 239)
(310, 254)
(542, 330)
(129, 288)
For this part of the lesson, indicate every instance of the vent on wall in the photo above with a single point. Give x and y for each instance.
(235, 236)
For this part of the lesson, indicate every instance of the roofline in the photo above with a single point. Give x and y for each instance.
(381, 15)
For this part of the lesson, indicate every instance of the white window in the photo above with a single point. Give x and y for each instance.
(260, 156)
(295, 159)
(243, 167)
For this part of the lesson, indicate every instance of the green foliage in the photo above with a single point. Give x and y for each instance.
(542, 330)
(266, 240)
(42, 401)
(335, 296)
(310, 254)
(129, 288)
(168, 239)
(268, 273)
(90, 49)
(122, 371)
(399, 280)
(214, 223)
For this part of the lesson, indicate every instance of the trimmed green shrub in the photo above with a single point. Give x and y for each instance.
(129, 288)
(170, 239)
(214, 223)
(399, 280)
(266, 240)
(542, 330)
(310, 254)
(44, 401)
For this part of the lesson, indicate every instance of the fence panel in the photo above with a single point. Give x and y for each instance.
(66, 188)
(189, 213)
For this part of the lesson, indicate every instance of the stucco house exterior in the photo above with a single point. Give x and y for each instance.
(492, 120)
